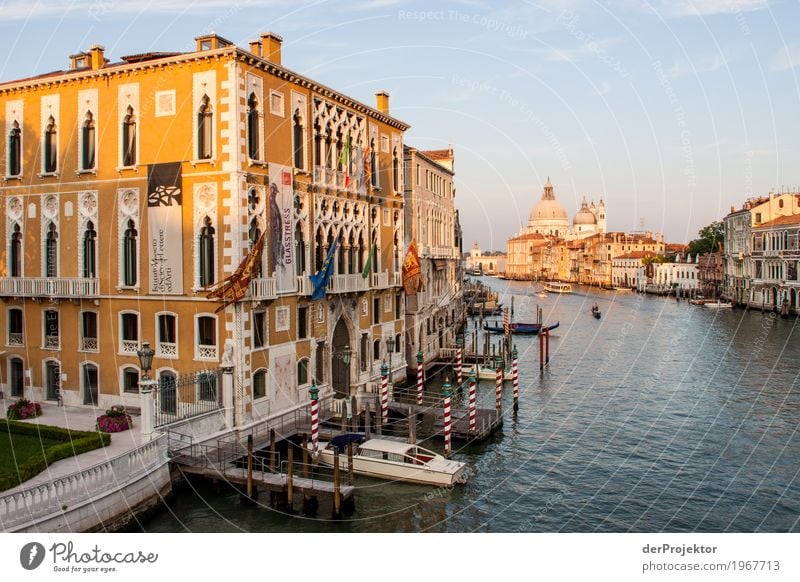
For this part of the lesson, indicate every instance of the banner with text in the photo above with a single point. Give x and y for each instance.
(164, 225)
(281, 228)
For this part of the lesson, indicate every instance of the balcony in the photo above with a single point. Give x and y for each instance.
(129, 347)
(398, 279)
(333, 179)
(89, 344)
(78, 288)
(304, 286)
(167, 350)
(263, 288)
(52, 342)
(347, 283)
(16, 339)
(440, 252)
(380, 280)
(206, 352)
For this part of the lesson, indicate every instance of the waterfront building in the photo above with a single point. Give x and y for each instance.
(710, 274)
(526, 256)
(434, 314)
(132, 187)
(487, 262)
(776, 263)
(624, 268)
(678, 277)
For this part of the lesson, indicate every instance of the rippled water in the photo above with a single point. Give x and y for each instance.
(661, 416)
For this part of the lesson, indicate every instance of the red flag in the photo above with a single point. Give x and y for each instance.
(412, 271)
(234, 288)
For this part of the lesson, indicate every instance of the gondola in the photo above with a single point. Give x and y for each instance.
(519, 328)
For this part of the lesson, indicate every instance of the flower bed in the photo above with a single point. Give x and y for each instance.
(114, 420)
(24, 408)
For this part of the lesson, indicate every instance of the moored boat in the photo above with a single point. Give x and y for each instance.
(556, 287)
(394, 460)
(717, 304)
(490, 373)
(519, 328)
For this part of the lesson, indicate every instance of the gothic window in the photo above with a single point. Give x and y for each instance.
(373, 164)
(318, 257)
(129, 255)
(129, 138)
(90, 251)
(395, 171)
(14, 150)
(205, 129)
(317, 145)
(51, 252)
(16, 252)
(50, 146)
(253, 234)
(300, 250)
(297, 137)
(88, 142)
(206, 253)
(252, 127)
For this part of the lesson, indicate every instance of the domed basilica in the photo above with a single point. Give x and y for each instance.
(549, 218)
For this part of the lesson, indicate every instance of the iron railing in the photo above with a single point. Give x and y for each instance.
(186, 396)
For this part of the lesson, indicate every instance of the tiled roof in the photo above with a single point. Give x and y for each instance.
(635, 255)
(438, 155)
(790, 220)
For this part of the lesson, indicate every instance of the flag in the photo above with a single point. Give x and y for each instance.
(321, 279)
(234, 288)
(344, 161)
(412, 271)
(368, 265)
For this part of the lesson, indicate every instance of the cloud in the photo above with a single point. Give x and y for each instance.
(680, 8)
(697, 66)
(590, 48)
(786, 58)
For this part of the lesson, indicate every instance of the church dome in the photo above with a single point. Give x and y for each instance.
(584, 216)
(548, 210)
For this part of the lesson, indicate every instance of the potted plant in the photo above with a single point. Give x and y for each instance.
(24, 408)
(114, 420)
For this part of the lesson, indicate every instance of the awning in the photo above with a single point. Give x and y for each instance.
(439, 264)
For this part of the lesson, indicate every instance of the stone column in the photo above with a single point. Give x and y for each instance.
(227, 395)
(148, 406)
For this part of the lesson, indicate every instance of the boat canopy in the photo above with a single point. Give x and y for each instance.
(387, 446)
(340, 442)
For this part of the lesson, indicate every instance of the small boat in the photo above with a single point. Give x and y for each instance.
(394, 460)
(519, 328)
(608, 287)
(556, 287)
(490, 373)
(596, 311)
(541, 295)
(718, 304)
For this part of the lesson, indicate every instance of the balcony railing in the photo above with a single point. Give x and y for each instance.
(263, 288)
(347, 283)
(304, 286)
(129, 346)
(380, 280)
(89, 344)
(167, 349)
(52, 342)
(398, 279)
(206, 352)
(333, 179)
(16, 339)
(49, 287)
(441, 252)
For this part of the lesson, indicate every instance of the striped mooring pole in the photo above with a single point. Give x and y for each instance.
(515, 377)
(447, 445)
(314, 393)
(498, 385)
(473, 422)
(420, 384)
(384, 394)
(459, 363)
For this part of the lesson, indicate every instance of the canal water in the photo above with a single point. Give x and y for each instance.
(660, 416)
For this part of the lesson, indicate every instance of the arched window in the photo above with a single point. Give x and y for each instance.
(318, 251)
(300, 250)
(297, 137)
(14, 150)
(90, 251)
(252, 127)
(205, 129)
(16, 376)
(129, 138)
(376, 350)
(302, 371)
(395, 171)
(50, 146)
(373, 164)
(88, 142)
(206, 346)
(259, 384)
(16, 252)
(16, 328)
(129, 255)
(130, 380)
(206, 253)
(254, 233)
(51, 252)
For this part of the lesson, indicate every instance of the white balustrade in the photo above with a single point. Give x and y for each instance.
(206, 352)
(166, 349)
(263, 288)
(49, 287)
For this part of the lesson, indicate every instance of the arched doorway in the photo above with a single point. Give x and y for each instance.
(340, 364)
(90, 384)
(52, 373)
(775, 297)
(793, 299)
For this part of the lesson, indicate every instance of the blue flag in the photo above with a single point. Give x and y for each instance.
(321, 279)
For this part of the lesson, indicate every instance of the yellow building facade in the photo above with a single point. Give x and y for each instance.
(132, 188)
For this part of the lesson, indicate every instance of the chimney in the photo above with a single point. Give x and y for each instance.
(255, 47)
(97, 53)
(382, 102)
(271, 47)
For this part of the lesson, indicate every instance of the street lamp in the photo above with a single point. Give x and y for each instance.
(390, 347)
(345, 354)
(145, 354)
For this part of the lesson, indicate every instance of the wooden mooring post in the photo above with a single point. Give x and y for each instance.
(290, 477)
(337, 493)
(350, 463)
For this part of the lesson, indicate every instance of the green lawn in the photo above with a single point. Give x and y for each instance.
(26, 449)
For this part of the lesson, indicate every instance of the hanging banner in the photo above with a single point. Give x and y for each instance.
(164, 227)
(412, 271)
(281, 228)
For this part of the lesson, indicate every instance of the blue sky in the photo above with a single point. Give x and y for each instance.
(671, 110)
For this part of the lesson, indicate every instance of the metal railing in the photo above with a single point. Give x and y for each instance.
(186, 396)
(38, 502)
(74, 288)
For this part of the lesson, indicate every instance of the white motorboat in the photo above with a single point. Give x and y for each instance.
(490, 373)
(394, 460)
(717, 304)
(556, 287)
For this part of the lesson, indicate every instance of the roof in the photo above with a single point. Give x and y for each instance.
(529, 236)
(438, 155)
(141, 57)
(675, 247)
(635, 255)
(791, 220)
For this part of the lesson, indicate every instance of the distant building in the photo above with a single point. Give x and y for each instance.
(679, 277)
(488, 262)
(624, 268)
(710, 274)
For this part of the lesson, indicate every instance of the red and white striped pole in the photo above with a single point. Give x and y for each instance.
(384, 394)
(314, 393)
(498, 381)
(515, 377)
(420, 384)
(473, 421)
(447, 445)
(459, 364)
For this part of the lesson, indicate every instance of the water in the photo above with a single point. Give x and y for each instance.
(661, 416)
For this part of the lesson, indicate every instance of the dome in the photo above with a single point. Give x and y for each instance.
(547, 210)
(584, 215)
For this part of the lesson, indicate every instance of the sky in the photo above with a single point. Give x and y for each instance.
(672, 111)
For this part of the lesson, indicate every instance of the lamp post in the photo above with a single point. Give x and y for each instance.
(145, 354)
(345, 354)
